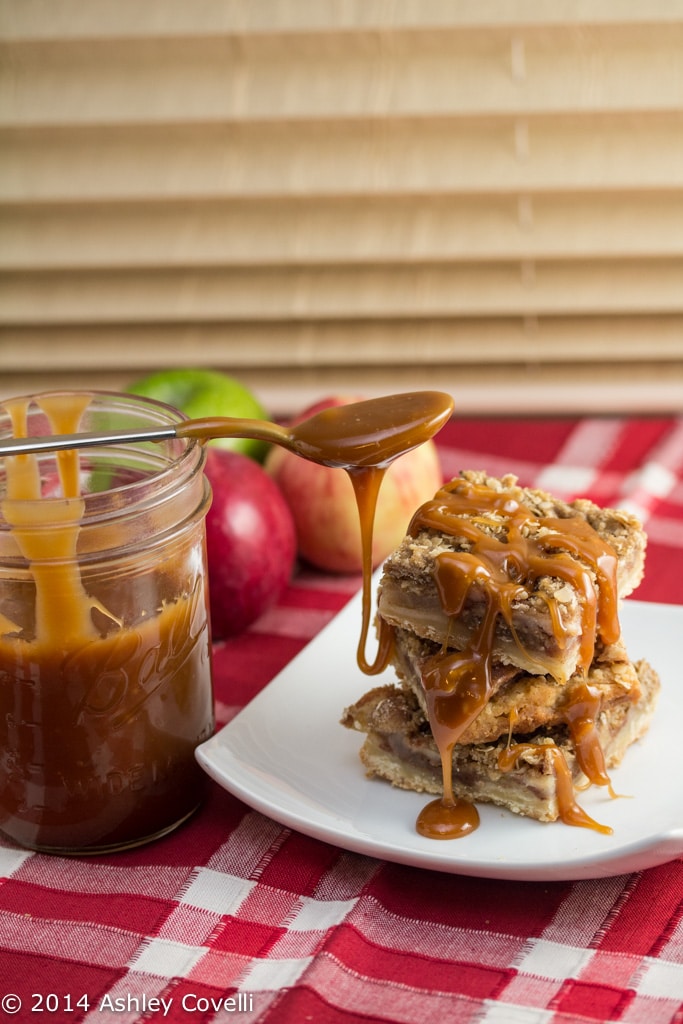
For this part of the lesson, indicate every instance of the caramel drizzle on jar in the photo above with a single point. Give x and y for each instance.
(51, 553)
(459, 684)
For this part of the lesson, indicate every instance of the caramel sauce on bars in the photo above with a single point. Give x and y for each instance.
(458, 684)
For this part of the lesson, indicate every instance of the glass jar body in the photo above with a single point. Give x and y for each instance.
(105, 648)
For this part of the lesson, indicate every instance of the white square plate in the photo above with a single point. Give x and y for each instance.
(287, 756)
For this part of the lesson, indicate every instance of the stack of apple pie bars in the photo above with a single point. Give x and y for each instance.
(513, 686)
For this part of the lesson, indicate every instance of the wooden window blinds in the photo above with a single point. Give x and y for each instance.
(484, 196)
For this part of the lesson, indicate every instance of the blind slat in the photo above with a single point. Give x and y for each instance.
(344, 75)
(369, 230)
(346, 294)
(42, 19)
(333, 344)
(503, 388)
(429, 156)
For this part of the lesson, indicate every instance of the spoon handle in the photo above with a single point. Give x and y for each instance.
(60, 442)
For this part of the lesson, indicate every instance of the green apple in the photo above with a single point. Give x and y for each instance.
(200, 392)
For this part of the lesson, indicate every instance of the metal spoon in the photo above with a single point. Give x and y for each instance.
(369, 433)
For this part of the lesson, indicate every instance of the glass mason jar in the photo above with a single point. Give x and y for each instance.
(105, 647)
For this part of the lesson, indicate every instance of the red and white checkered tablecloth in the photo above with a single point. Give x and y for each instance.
(236, 917)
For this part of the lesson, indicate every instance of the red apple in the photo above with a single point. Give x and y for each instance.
(250, 539)
(324, 508)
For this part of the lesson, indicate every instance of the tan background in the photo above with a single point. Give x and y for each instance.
(485, 197)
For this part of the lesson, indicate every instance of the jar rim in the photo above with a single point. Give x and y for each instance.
(160, 482)
(187, 451)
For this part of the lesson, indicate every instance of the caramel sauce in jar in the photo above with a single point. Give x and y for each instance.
(105, 653)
